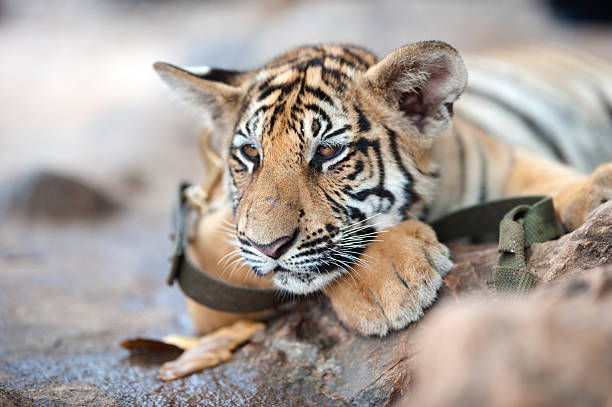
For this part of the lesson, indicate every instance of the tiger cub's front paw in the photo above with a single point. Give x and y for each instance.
(401, 278)
(575, 203)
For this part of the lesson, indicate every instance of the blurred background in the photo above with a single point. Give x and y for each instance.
(92, 145)
(79, 94)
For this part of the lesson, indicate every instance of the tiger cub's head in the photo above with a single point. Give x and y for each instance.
(325, 146)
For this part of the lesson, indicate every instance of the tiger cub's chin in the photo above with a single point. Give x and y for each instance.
(302, 283)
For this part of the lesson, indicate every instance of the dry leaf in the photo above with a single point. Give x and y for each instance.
(210, 350)
(183, 342)
(141, 345)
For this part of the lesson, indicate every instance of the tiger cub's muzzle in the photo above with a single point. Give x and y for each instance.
(270, 224)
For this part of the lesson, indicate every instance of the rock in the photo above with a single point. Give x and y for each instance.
(477, 349)
(553, 348)
(73, 394)
(44, 194)
(587, 247)
(309, 358)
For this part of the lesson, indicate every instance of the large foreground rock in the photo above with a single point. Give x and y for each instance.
(553, 348)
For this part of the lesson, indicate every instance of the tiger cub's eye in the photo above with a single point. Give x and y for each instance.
(327, 151)
(250, 152)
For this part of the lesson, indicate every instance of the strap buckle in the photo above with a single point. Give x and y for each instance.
(179, 234)
(521, 227)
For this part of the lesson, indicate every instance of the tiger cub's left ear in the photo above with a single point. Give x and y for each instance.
(214, 92)
(422, 80)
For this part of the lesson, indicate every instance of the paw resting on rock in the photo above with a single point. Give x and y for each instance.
(403, 273)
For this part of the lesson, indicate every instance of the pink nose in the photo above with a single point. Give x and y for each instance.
(276, 248)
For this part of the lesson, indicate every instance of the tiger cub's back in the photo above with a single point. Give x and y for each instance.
(552, 101)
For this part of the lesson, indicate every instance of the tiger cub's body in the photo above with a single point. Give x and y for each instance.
(335, 160)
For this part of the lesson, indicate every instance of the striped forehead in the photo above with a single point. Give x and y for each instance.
(293, 99)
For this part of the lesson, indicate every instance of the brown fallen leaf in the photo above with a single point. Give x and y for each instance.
(210, 350)
(142, 345)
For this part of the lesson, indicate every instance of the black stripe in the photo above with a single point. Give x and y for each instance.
(339, 131)
(340, 163)
(261, 110)
(238, 160)
(410, 195)
(375, 301)
(400, 278)
(315, 127)
(317, 109)
(535, 127)
(285, 88)
(358, 169)
(606, 103)
(482, 191)
(267, 92)
(319, 93)
(462, 164)
(277, 110)
(343, 61)
(362, 122)
(363, 145)
(335, 206)
(326, 73)
(355, 56)
(315, 242)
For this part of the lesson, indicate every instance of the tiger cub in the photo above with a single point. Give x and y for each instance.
(334, 161)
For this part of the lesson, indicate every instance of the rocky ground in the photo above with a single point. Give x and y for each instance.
(91, 150)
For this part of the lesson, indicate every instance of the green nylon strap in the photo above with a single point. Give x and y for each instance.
(481, 220)
(521, 227)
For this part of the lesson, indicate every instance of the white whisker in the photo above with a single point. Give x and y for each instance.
(361, 221)
(229, 255)
(352, 258)
(352, 231)
(232, 242)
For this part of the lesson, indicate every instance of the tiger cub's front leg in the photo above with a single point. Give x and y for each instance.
(574, 195)
(577, 201)
(401, 277)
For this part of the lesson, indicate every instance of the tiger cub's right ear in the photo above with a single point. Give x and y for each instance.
(421, 80)
(217, 92)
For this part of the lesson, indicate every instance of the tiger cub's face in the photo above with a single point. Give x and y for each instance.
(326, 147)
